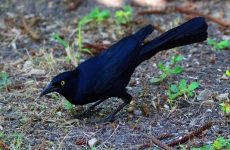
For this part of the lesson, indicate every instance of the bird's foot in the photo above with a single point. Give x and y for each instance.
(107, 119)
(85, 113)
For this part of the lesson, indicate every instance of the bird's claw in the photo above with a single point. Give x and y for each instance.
(85, 113)
(108, 119)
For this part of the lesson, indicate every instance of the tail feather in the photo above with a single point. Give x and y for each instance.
(193, 31)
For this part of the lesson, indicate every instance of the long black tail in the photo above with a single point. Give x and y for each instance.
(193, 31)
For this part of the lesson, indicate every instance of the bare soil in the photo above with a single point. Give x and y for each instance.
(44, 123)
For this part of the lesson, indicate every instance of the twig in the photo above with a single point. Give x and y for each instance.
(158, 28)
(30, 31)
(3, 145)
(191, 135)
(152, 11)
(164, 136)
(97, 47)
(195, 12)
(74, 5)
(159, 143)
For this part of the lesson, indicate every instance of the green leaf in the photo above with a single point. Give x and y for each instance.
(161, 66)
(227, 73)
(182, 85)
(219, 143)
(176, 70)
(4, 80)
(124, 16)
(155, 80)
(87, 51)
(223, 44)
(163, 76)
(68, 105)
(93, 148)
(211, 42)
(61, 41)
(179, 58)
(176, 59)
(192, 86)
(225, 107)
(190, 93)
(173, 88)
(219, 45)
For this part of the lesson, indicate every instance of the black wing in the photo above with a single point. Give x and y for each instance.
(104, 69)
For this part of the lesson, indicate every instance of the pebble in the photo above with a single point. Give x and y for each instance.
(28, 65)
(37, 72)
(208, 110)
(222, 97)
(204, 95)
(1, 128)
(224, 77)
(130, 109)
(166, 107)
(137, 112)
(92, 142)
(59, 113)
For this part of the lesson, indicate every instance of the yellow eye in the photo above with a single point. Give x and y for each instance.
(62, 82)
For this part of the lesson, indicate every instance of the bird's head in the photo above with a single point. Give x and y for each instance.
(60, 83)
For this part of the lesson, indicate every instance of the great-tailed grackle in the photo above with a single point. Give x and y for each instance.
(108, 73)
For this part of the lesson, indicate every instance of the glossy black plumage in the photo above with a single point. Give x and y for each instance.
(107, 74)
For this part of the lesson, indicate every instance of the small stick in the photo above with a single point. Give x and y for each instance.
(164, 136)
(29, 30)
(97, 47)
(191, 135)
(159, 143)
(152, 11)
(3, 145)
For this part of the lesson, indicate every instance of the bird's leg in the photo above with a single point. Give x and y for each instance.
(87, 112)
(110, 118)
(127, 98)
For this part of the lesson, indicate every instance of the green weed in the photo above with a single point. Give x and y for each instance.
(220, 143)
(72, 55)
(224, 44)
(4, 80)
(124, 16)
(227, 73)
(69, 48)
(68, 105)
(177, 90)
(168, 70)
(96, 15)
(225, 108)
(14, 140)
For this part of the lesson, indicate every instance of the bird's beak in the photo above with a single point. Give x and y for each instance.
(47, 90)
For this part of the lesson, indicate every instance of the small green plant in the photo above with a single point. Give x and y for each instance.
(220, 143)
(124, 16)
(177, 90)
(225, 108)
(4, 80)
(97, 15)
(224, 44)
(227, 73)
(68, 105)
(73, 56)
(69, 48)
(14, 140)
(93, 148)
(168, 70)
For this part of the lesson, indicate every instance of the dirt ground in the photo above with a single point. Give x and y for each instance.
(30, 122)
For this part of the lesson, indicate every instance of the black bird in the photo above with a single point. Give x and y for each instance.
(108, 73)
